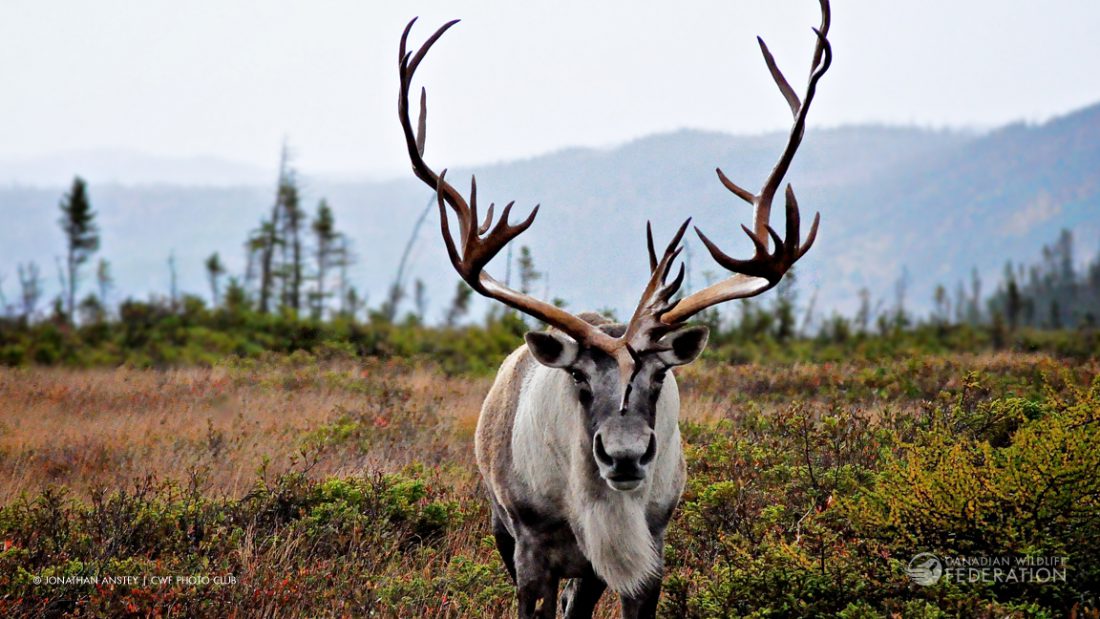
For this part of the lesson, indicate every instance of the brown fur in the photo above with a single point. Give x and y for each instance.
(493, 439)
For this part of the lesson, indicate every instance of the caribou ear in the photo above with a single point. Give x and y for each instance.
(684, 345)
(553, 349)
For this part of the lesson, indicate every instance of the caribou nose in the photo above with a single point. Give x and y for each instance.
(623, 462)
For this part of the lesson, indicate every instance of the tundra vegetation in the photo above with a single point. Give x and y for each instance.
(336, 485)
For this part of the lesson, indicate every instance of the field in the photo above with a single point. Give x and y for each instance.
(305, 486)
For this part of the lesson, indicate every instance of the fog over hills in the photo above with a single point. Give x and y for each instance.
(936, 203)
(128, 167)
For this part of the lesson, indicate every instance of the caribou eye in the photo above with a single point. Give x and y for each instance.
(578, 376)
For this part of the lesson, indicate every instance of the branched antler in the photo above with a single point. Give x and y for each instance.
(478, 241)
(645, 327)
(765, 269)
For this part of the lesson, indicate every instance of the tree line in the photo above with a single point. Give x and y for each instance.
(1051, 293)
(296, 264)
(297, 269)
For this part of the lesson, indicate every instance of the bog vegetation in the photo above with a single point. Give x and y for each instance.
(302, 486)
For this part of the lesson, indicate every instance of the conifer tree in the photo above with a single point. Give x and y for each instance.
(81, 237)
(328, 254)
(214, 270)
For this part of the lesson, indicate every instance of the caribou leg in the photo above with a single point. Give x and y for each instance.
(580, 596)
(536, 584)
(506, 544)
(644, 604)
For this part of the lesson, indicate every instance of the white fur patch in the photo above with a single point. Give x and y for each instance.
(613, 534)
(546, 415)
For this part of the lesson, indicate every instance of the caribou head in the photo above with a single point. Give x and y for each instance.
(618, 394)
(578, 440)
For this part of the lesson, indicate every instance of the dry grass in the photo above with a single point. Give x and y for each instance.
(102, 428)
(89, 428)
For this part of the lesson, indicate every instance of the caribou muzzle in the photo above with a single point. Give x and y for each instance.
(624, 447)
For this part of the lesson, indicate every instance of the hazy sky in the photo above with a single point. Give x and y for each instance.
(231, 78)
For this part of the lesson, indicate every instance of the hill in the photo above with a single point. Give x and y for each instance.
(935, 203)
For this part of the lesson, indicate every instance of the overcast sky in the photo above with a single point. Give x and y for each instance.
(231, 78)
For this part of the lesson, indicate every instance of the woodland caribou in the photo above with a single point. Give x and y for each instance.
(578, 440)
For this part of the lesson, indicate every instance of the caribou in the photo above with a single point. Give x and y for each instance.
(578, 440)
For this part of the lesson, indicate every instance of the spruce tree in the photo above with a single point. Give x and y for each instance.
(81, 237)
(214, 270)
(328, 254)
(460, 305)
(293, 220)
(528, 274)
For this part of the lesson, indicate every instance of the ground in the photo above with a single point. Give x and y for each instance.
(308, 487)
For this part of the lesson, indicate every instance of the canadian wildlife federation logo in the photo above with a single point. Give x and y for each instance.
(925, 569)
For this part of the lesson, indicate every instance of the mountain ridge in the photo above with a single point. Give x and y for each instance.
(934, 202)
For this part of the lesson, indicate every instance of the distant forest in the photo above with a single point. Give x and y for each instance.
(295, 294)
(1051, 293)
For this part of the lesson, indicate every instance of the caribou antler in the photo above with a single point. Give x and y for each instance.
(478, 242)
(764, 269)
(646, 327)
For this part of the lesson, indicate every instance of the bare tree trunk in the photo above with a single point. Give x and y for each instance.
(30, 288)
(344, 275)
(71, 263)
(397, 289)
(808, 318)
(296, 291)
(319, 302)
(65, 291)
(268, 249)
(173, 291)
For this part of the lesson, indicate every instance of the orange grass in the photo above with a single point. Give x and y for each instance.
(103, 428)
